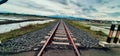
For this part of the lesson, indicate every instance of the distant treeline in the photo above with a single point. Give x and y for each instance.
(18, 21)
(51, 17)
(58, 17)
(16, 14)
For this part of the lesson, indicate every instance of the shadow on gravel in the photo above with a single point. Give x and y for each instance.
(104, 49)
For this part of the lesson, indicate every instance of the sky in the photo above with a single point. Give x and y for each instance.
(91, 9)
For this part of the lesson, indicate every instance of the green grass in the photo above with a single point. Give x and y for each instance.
(21, 31)
(97, 34)
(100, 24)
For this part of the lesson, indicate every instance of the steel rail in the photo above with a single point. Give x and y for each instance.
(71, 42)
(48, 40)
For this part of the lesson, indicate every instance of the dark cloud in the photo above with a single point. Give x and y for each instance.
(89, 9)
(3, 1)
(102, 1)
(61, 1)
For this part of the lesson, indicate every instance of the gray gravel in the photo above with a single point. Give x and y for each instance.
(25, 42)
(85, 39)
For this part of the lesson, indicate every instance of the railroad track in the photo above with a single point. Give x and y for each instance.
(59, 36)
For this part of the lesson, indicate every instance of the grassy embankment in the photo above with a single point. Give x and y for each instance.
(21, 31)
(98, 34)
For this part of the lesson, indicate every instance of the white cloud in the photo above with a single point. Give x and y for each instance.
(73, 8)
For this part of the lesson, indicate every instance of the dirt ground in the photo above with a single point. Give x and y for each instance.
(84, 52)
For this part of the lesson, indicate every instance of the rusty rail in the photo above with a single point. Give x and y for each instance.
(71, 42)
(50, 38)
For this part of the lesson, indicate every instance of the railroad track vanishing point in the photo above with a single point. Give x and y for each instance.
(60, 35)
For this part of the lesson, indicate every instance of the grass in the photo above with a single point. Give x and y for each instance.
(100, 24)
(97, 34)
(14, 33)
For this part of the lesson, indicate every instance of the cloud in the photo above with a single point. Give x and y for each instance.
(77, 8)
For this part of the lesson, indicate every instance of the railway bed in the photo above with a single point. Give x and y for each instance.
(59, 42)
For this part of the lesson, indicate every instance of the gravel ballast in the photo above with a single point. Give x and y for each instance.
(25, 42)
(85, 39)
(30, 40)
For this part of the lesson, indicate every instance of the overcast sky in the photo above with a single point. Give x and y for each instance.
(92, 9)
